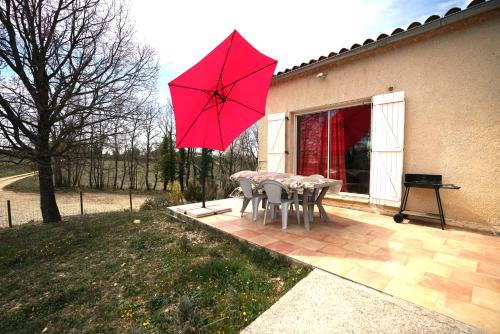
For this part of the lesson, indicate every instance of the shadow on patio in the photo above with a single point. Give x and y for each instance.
(454, 272)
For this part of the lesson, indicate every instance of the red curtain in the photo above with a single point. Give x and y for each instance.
(338, 148)
(313, 144)
(347, 127)
(357, 124)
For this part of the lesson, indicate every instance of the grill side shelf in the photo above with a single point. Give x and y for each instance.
(450, 186)
(420, 214)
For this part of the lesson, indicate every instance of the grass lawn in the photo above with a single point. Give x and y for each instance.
(31, 185)
(104, 274)
(9, 169)
(25, 185)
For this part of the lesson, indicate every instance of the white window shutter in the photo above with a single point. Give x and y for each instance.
(387, 140)
(276, 130)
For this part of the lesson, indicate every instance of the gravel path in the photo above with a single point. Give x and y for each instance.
(25, 207)
(325, 303)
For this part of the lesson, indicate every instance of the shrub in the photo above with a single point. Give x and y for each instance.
(157, 202)
(173, 196)
(175, 193)
(193, 192)
(229, 188)
(183, 242)
(214, 252)
(211, 190)
(188, 316)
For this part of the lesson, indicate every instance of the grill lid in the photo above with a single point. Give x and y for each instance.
(423, 178)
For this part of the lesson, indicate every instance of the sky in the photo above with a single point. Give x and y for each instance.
(294, 31)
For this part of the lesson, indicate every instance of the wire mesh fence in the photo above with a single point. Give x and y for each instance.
(25, 207)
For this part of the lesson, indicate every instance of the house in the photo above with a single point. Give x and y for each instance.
(422, 100)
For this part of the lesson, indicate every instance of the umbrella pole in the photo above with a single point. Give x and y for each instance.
(204, 153)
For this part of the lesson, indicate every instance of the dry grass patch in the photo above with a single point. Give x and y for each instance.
(104, 273)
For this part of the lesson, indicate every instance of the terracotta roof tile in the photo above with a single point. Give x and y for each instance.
(414, 25)
(432, 18)
(382, 36)
(474, 3)
(453, 11)
(397, 31)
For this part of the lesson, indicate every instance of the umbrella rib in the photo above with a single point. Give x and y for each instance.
(244, 105)
(246, 76)
(206, 108)
(194, 88)
(194, 121)
(225, 59)
(230, 90)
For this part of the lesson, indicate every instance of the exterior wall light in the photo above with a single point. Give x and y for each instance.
(321, 75)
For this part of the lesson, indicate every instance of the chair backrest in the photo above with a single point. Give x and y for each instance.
(246, 186)
(273, 190)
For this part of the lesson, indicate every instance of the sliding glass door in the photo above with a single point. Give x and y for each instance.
(336, 144)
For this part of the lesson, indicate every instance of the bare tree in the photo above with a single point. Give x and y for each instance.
(133, 153)
(150, 126)
(67, 65)
(116, 152)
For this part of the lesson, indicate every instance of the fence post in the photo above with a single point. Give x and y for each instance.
(130, 197)
(81, 203)
(9, 214)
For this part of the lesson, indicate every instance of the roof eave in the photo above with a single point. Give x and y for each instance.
(427, 27)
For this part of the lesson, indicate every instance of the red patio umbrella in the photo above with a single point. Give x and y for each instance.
(221, 96)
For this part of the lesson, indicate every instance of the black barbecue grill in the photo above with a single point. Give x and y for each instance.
(427, 181)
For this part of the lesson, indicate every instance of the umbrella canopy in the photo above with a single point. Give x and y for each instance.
(222, 95)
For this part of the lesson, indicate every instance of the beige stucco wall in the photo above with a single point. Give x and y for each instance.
(452, 87)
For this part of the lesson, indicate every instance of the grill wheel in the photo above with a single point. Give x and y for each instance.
(398, 218)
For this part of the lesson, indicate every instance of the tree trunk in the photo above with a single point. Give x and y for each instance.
(48, 204)
(188, 166)
(136, 175)
(115, 180)
(124, 172)
(116, 156)
(157, 170)
(58, 172)
(68, 174)
(203, 173)
(146, 172)
(91, 163)
(231, 162)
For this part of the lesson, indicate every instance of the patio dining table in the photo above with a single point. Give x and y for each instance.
(315, 185)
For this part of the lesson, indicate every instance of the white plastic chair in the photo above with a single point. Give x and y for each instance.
(277, 195)
(250, 194)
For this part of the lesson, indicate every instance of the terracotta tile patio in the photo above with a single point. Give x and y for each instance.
(454, 272)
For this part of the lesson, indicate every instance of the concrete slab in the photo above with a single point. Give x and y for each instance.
(325, 303)
(211, 208)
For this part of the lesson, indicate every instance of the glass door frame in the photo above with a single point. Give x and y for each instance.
(330, 111)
